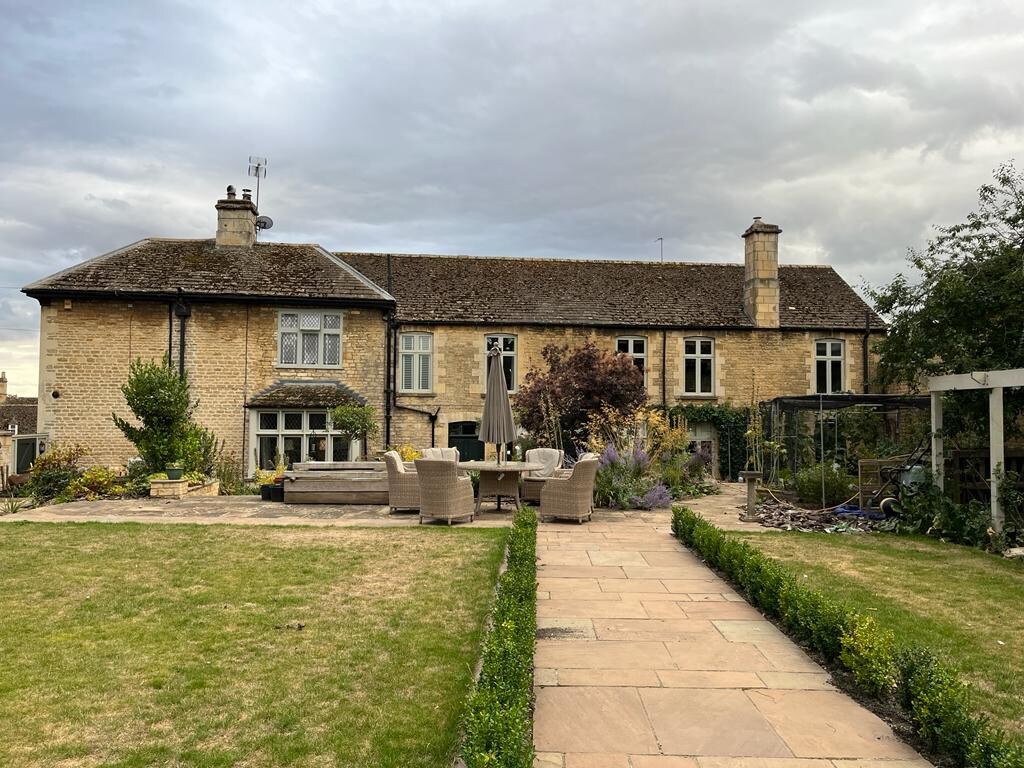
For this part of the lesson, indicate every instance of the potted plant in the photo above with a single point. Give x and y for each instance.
(356, 422)
(174, 470)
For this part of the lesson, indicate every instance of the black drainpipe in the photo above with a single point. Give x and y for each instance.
(388, 319)
(182, 311)
(388, 370)
(867, 338)
(664, 372)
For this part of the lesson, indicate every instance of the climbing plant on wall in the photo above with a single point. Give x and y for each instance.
(731, 425)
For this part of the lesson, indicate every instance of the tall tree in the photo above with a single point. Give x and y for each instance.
(962, 307)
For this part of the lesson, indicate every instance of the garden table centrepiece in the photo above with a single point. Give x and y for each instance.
(499, 479)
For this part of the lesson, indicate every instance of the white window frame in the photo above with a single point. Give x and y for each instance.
(829, 357)
(421, 347)
(631, 341)
(321, 332)
(697, 356)
(304, 431)
(514, 354)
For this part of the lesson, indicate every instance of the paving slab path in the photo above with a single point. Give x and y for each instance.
(647, 659)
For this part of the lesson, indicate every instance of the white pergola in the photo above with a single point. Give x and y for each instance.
(995, 382)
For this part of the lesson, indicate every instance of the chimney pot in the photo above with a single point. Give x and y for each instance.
(247, 194)
(231, 191)
(3, 386)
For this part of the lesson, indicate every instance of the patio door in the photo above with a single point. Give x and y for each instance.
(465, 435)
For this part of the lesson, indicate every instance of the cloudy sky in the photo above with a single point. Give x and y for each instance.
(562, 128)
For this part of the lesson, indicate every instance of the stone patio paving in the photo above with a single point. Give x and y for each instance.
(235, 510)
(646, 659)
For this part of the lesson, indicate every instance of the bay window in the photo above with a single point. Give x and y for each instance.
(298, 435)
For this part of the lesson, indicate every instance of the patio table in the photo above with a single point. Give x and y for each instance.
(499, 480)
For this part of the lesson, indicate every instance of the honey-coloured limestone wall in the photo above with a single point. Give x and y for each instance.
(86, 347)
(749, 366)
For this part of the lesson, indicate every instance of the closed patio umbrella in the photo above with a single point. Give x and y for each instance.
(497, 425)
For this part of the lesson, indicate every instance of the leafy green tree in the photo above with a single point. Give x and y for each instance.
(160, 401)
(962, 307)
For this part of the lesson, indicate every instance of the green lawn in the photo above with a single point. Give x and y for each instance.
(177, 645)
(961, 602)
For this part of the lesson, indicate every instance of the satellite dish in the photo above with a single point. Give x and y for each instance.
(264, 222)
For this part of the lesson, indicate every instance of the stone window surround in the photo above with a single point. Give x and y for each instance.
(416, 353)
(642, 356)
(501, 338)
(829, 357)
(697, 356)
(323, 333)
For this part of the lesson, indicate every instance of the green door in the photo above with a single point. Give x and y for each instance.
(465, 435)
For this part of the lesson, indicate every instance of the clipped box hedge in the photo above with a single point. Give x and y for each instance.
(931, 692)
(498, 723)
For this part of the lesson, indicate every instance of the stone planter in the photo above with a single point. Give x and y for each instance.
(168, 489)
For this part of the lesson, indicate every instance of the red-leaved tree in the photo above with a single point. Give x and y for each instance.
(553, 404)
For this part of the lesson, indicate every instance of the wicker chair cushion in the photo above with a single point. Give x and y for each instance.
(443, 454)
(551, 458)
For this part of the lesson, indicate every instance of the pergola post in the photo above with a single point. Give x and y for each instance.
(937, 447)
(995, 451)
(994, 382)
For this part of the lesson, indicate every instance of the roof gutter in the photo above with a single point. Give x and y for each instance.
(41, 294)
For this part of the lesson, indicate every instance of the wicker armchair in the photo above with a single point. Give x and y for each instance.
(444, 494)
(582, 457)
(403, 485)
(570, 497)
(551, 458)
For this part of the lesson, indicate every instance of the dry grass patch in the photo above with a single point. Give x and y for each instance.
(963, 603)
(136, 645)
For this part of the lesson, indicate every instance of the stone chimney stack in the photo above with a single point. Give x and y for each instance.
(3, 386)
(236, 219)
(761, 273)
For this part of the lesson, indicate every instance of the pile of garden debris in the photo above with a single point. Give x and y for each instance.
(774, 514)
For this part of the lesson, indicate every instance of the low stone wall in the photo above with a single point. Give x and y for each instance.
(179, 489)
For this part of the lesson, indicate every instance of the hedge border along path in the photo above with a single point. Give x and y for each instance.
(930, 691)
(498, 725)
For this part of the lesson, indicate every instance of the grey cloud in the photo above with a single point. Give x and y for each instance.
(569, 128)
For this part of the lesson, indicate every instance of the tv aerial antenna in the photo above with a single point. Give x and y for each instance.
(258, 168)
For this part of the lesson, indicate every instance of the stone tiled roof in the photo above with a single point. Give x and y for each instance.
(305, 394)
(494, 290)
(159, 267)
(21, 411)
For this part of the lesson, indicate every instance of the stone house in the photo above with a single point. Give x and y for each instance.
(19, 442)
(274, 334)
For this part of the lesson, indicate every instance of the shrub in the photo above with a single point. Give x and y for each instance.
(868, 654)
(925, 508)
(555, 404)
(198, 450)
(159, 399)
(932, 693)
(356, 422)
(497, 724)
(54, 470)
(94, 483)
(807, 483)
